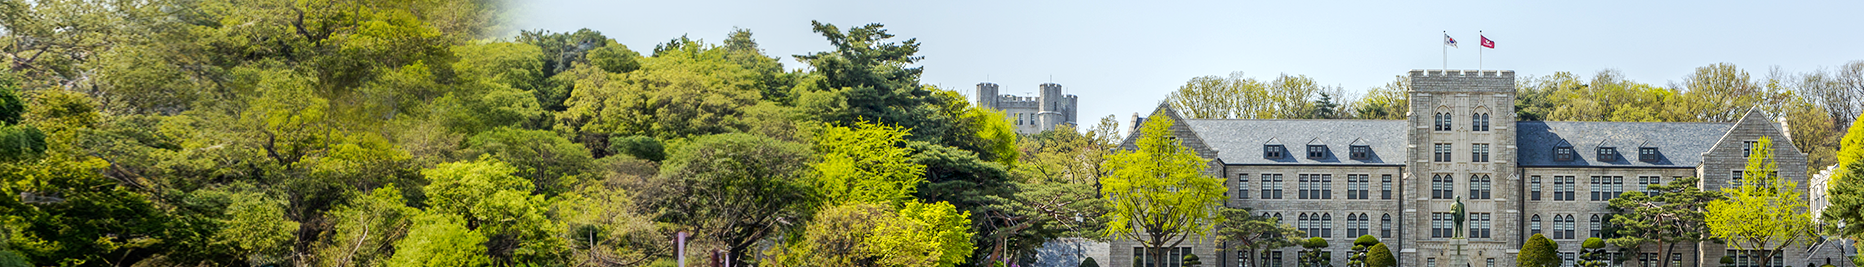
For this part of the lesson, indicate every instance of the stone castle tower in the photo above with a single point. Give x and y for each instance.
(1462, 139)
(1031, 115)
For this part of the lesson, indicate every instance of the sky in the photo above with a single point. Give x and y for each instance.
(1123, 57)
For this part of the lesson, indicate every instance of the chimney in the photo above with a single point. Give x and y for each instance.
(1137, 120)
(1786, 131)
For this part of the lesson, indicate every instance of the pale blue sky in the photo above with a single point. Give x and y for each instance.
(1123, 57)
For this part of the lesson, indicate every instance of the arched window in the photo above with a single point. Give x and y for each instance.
(1596, 226)
(1559, 227)
(1533, 224)
(1479, 186)
(1301, 224)
(1571, 223)
(1385, 226)
(1442, 120)
(1352, 226)
(1479, 122)
(1326, 225)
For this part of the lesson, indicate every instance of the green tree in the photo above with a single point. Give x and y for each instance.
(17, 141)
(1852, 146)
(1845, 191)
(1361, 249)
(837, 236)
(1675, 215)
(366, 229)
(640, 147)
(1158, 194)
(1324, 108)
(1389, 102)
(734, 189)
(688, 88)
(602, 227)
(1242, 97)
(1247, 233)
(13, 258)
(1380, 256)
(924, 234)
(1765, 213)
(57, 201)
(1846, 212)
(1214, 97)
(489, 201)
(1593, 253)
(1315, 253)
(866, 234)
(553, 164)
(870, 77)
(441, 240)
(1722, 93)
(1539, 252)
(864, 163)
(1055, 193)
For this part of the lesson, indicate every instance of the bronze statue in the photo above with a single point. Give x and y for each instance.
(1457, 215)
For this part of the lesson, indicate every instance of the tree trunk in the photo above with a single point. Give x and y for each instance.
(1252, 257)
(1664, 253)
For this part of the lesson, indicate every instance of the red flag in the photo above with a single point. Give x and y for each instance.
(1487, 43)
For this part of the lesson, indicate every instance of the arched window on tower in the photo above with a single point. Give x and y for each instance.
(1442, 121)
(1479, 122)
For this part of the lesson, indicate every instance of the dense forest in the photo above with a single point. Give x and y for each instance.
(390, 132)
(406, 133)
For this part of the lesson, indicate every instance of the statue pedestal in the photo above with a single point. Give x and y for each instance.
(1457, 258)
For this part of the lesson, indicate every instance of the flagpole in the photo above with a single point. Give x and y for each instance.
(1479, 39)
(1446, 52)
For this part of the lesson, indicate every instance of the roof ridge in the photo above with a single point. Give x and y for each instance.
(1289, 120)
(1631, 122)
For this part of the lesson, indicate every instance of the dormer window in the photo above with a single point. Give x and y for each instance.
(1563, 153)
(1272, 151)
(1608, 154)
(1647, 154)
(1316, 151)
(1362, 152)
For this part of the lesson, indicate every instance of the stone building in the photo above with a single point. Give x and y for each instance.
(1031, 115)
(1396, 179)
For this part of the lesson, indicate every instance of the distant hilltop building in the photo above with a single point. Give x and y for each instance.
(1031, 115)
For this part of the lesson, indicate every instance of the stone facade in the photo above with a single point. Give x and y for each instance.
(1031, 115)
(1516, 178)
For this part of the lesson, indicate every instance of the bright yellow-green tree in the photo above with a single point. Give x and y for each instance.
(864, 163)
(1158, 193)
(1846, 188)
(870, 234)
(1765, 213)
(924, 234)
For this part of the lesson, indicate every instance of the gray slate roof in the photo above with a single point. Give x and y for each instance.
(1240, 141)
(1679, 144)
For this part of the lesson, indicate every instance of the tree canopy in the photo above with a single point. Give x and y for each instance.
(1158, 193)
